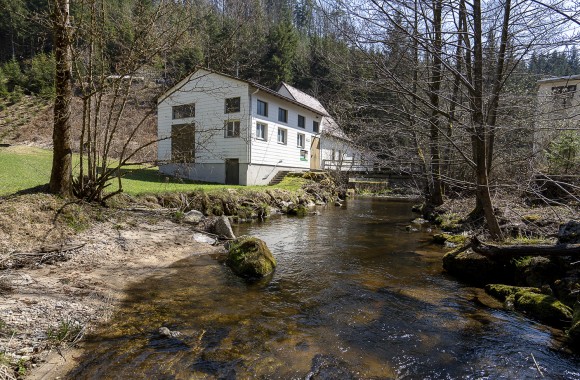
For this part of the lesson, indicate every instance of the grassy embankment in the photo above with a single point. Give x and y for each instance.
(23, 167)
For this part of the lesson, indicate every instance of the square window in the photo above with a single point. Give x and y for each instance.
(563, 96)
(300, 140)
(282, 115)
(262, 108)
(282, 136)
(232, 128)
(232, 105)
(315, 127)
(183, 111)
(261, 131)
(301, 121)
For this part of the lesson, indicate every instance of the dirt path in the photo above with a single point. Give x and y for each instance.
(45, 303)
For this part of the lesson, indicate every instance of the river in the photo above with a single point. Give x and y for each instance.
(355, 296)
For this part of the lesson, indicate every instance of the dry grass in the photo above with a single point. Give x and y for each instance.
(28, 222)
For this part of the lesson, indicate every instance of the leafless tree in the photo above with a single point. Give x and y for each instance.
(466, 52)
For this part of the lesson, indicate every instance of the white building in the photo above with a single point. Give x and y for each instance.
(558, 109)
(217, 128)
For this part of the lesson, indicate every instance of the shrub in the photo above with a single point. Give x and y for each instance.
(564, 153)
(41, 75)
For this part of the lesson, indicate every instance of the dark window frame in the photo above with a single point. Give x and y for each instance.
(315, 126)
(301, 122)
(232, 108)
(183, 111)
(563, 95)
(282, 115)
(264, 106)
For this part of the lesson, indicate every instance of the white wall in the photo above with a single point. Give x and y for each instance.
(270, 152)
(208, 91)
(551, 118)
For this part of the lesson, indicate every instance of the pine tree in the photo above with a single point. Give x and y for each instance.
(282, 42)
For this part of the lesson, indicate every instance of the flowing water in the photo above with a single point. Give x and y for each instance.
(354, 296)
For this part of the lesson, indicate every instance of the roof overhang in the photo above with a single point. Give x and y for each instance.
(560, 79)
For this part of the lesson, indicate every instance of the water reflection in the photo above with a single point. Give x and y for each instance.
(354, 295)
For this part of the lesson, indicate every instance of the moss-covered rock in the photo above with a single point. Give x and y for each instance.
(574, 331)
(442, 238)
(543, 307)
(475, 269)
(250, 257)
(531, 301)
(448, 222)
(504, 292)
(297, 210)
(536, 271)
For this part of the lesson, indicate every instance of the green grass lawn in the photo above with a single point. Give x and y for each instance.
(23, 167)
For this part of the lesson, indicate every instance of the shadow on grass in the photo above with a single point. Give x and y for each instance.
(40, 189)
(153, 175)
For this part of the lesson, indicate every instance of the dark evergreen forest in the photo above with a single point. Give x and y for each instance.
(296, 41)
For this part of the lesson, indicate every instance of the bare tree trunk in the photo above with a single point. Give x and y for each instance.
(61, 174)
(498, 84)
(436, 190)
(479, 138)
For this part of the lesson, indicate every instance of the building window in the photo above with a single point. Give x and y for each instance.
(301, 121)
(232, 105)
(232, 128)
(315, 127)
(300, 140)
(262, 108)
(261, 131)
(183, 111)
(183, 143)
(563, 96)
(282, 133)
(303, 155)
(282, 115)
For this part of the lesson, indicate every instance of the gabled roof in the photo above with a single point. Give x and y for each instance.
(331, 128)
(560, 79)
(304, 98)
(320, 110)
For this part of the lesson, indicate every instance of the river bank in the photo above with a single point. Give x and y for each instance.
(64, 267)
(545, 288)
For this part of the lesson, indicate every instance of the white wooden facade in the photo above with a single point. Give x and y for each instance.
(558, 109)
(261, 146)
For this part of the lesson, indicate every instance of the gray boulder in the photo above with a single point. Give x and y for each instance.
(203, 238)
(569, 233)
(165, 332)
(193, 216)
(223, 228)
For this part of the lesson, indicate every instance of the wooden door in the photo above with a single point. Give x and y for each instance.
(232, 171)
(315, 153)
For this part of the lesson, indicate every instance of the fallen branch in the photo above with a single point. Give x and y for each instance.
(510, 251)
(44, 254)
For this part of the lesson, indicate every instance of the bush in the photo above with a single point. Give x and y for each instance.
(564, 153)
(41, 75)
(13, 75)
